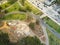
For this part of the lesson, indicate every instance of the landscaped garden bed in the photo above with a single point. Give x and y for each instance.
(14, 17)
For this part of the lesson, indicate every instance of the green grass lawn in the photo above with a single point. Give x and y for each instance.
(53, 40)
(14, 17)
(52, 24)
(15, 7)
(5, 5)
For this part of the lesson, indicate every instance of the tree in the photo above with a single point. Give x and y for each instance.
(56, 1)
(4, 39)
(28, 8)
(29, 41)
(31, 25)
(5, 11)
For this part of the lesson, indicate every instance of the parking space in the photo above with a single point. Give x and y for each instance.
(47, 10)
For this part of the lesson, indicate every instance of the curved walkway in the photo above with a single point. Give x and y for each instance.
(14, 12)
(43, 27)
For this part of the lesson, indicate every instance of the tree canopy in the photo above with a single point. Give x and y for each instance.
(32, 25)
(4, 39)
(12, 1)
(30, 41)
(58, 1)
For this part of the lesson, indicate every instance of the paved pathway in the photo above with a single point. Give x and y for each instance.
(13, 12)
